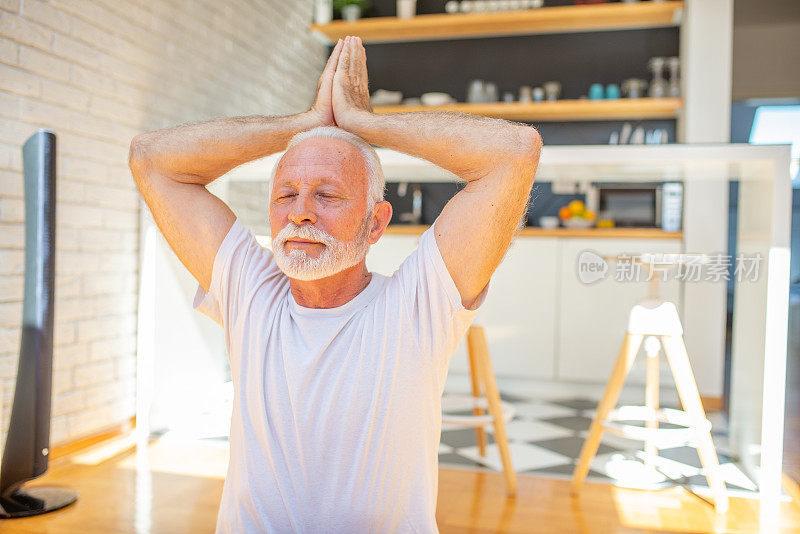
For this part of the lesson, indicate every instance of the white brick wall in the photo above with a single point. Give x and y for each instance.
(251, 200)
(97, 73)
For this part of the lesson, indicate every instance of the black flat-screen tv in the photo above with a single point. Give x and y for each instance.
(27, 447)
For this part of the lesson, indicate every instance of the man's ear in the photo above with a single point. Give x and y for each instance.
(382, 214)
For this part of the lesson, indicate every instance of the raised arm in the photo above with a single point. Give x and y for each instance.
(172, 168)
(498, 159)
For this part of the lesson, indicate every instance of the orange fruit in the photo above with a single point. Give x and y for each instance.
(576, 207)
(564, 212)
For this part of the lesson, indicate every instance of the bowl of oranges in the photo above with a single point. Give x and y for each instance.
(575, 215)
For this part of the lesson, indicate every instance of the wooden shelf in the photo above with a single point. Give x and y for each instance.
(561, 110)
(562, 19)
(533, 231)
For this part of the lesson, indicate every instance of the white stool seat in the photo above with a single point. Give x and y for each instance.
(655, 317)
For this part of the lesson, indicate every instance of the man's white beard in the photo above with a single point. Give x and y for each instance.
(335, 257)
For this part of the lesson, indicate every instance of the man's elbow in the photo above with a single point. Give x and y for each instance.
(529, 149)
(531, 141)
(137, 155)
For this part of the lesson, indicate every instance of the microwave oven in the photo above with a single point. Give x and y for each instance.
(639, 204)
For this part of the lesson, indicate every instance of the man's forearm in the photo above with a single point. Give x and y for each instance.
(466, 145)
(200, 152)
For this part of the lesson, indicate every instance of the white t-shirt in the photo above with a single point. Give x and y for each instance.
(337, 411)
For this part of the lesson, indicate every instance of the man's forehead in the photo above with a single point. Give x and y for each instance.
(318, 170)
(321, 150)
(311, 165)
(323, 157)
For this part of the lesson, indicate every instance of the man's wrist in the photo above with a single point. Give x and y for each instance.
(357, 121)
(309, 119)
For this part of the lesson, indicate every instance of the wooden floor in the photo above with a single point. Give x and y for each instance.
(174, 487)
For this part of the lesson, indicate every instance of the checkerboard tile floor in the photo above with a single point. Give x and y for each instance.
(546, 435)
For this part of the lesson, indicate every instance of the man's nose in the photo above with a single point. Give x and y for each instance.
(303, 209)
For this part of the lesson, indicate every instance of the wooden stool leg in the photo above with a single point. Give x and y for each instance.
(652, 350)
(678, 359)
(627, 353)
(475, 378)
(495, 409)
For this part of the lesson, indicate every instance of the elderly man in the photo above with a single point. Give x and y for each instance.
(338, 372)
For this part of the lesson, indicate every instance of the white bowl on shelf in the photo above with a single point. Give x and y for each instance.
(548, 222)
(577, 222)
(436, 99)
(383, 97)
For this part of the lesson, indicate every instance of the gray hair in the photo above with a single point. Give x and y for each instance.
(376, 182)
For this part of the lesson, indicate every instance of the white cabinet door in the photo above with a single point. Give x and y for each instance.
(593, 317)
(518, 312)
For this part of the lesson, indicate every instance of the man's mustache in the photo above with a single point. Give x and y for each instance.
(306, 231)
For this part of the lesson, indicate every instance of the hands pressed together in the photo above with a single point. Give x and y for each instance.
(342, 91)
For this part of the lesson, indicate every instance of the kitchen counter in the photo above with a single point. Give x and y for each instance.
(533, 231)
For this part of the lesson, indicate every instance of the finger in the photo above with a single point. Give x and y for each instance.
(361, 60)
(330, 65)
(363, 55)
(336, 51)
(334, 57)
(344, 56)
(353, 57)
(358, 47)
(333, 60)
